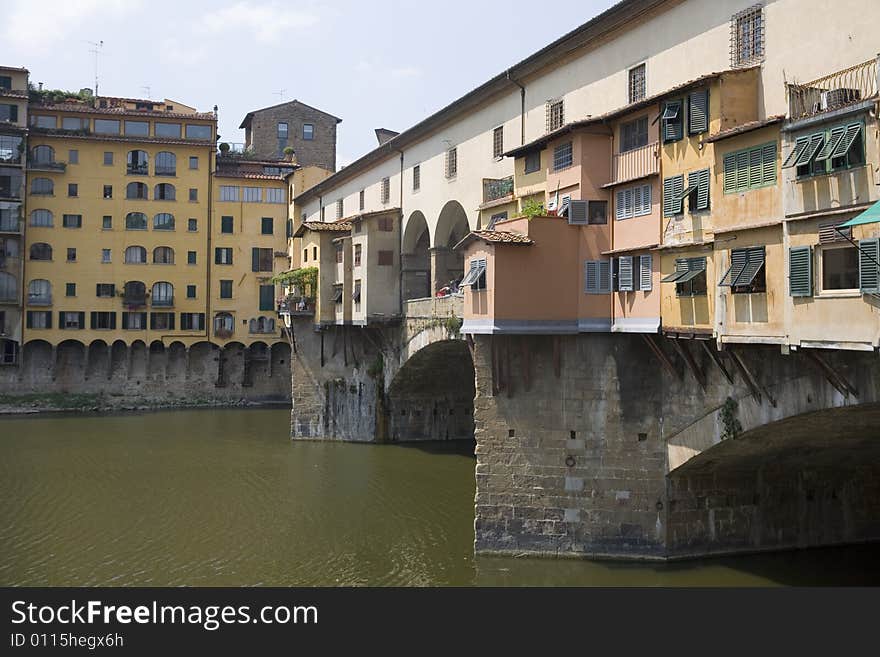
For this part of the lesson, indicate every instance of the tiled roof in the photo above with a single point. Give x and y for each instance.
(92, 136)
(14, 93)
(121, 111)
(250, 176)
(323, 226)
(496, 237)
(745, 127)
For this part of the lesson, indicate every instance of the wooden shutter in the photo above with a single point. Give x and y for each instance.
(125, 320)
(94, 319)
(756, 168)
(152, 321)
(869, 270)
(646, 271)
(620, 205)
(591, 276)
(698, 114)
(255, 259)
(625, 273)
(829, 235)
(729, 168)
(604, 276)
(113, 320)
(672, 189)
(81, 320)
(577, 213)
(267, 297)
(799, 147)
(29, 319)
(800, 271)
(768, 164)
(849, 138)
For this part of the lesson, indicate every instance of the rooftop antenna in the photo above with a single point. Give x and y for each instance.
(96, 50)
(280, 93)
(146, 90)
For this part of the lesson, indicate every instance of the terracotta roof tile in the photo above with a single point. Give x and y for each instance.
(745, 127)
(496, 237)
(82, 108)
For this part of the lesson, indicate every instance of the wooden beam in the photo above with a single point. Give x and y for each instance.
(751, 381)
(716, 358)
(836, 379)
(660, 355)
(688, 357)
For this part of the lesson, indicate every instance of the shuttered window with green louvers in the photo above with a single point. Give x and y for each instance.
(869, 269)
(800, 271)
(700, 198)
(672, 120)
(672, 189)
(751, 168)
(698, 112)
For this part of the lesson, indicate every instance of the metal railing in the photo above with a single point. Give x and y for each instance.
(496, 188)
(162, 302)
(636, 163)
(46, 166)
(840, 89)
(10, 226)
(39, 299)
(138, 169)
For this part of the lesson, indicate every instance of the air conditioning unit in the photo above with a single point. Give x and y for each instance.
(577, 213)
(838, 98)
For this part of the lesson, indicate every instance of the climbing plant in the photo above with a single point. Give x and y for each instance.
(532, 208)
(304, 279)
(732, 426)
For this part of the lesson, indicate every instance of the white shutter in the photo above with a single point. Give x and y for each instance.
(646, 267)
(604, 276)
(625, 273)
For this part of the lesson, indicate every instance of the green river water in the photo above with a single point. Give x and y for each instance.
(224, 498)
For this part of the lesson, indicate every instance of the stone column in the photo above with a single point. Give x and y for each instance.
(439, 267)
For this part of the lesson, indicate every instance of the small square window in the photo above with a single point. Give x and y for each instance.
(308, 131)
(192, 225)
(108, 191)
(107, 222)
(105, 255)
(71, 255)
(267, 226)
(190, 257)
(108, 158)
(70, 290)
(193, 194)
(190, 291)
(73, 156)
(193, 162)
(597, 212)
(72, 189)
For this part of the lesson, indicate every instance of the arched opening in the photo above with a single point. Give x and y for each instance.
(158, 361)
(202, 362)
(70, 362)
(135, 255)
(137, 190)
(137, 360)
(166, 164)
(99, 360)
(162, 295)
(416, 258)
(42, 187)
(40, 251)
(137, 163)
(43, 154)
(176, 367)
(119, 360)
(432, 396)
(163, 220)
(163, 255)
(41, 218)
(36, 361)
(135, 221)
(807, 480)
(452, 226)
(164, 192)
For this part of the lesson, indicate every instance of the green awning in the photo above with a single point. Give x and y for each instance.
(869, 216)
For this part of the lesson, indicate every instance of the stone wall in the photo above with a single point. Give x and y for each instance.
(320, 151)
(152, 375)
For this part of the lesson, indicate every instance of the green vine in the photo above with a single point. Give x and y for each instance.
(532, 208)
(453, 325)
(732, 426)
(376, 370)
(304, 279)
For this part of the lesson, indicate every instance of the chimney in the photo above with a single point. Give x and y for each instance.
(384, 134)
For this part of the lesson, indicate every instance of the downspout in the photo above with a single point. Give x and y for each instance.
(209, 320)
(400, 268)
(522, 109)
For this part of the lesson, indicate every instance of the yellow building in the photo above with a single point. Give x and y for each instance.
(248, 248)
(13, 124)
(118, 197)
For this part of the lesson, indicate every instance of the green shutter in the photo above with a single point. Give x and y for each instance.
(729, 168)
(29, 319)
(768, 164)
(255, 259)
(756, 168)
(869, 270)
(82, 320)
(849, 138)
(267, 297)
(700, 180)
(698, 114)
(673, 126)
(799, 147)
(836, 135)
(672, 189)
(800, 271)
(94, 319)
(604, 276)
(813, 146)
(625, 273)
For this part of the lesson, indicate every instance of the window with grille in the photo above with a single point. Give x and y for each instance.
(634, 134)
(498, 142)
(637, 84)
(747, 37)
(452, 162)
(360, 203)
(386, 189)
(339, 209)
(555, 114)
(562, 157)
(417, 178)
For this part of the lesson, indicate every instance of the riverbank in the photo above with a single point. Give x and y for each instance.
(40, 403)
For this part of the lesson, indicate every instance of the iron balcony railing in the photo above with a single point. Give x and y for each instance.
(496, 188)
(46, 166)
(39, 299)
(162, 302)
(9, 156)
(166, 171)
(10, 225)
(835, 91)
(138, 169)
(637, 163)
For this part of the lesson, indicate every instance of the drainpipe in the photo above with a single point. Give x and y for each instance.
(522, 109)
(400, 261)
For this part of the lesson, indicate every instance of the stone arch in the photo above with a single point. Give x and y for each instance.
(157, 361)
(70, 357)
(259, 359)
(137, 360)
(203, 361)
(452, 226)
(176, 364)
(280, 356)
(119, 360)
(416, 258)
(233, 363)
(98, 360)
(37, 362)
(431, 397)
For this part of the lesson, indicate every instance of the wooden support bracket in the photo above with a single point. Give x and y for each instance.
(752, 382)
(661, 356)
(835, 378)
(688, 357)
(716, 358)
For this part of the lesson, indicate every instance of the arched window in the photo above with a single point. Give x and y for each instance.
(135, 221)
(137, 162)
(253, 326)
(41, 218)
(43, 155)
(39, 292)
(134, 293)
(223, 324)
(43, 186)
(164, 192)
(41, 251)
(270, 325)
(162, 294)
(163, 221)
(166, 164)
(137, 190)
(163, 255)
(8, 287)
(135, 255)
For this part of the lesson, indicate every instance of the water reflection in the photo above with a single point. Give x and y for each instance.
(212, 497)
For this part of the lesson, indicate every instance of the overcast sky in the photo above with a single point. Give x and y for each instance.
(376, 63)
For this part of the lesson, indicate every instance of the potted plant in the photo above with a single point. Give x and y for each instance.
(289, 153)
(224, 148)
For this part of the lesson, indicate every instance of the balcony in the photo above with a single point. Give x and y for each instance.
(637, 163)
(297, 306)
(833, 92)
(10, 225)
(137, 169)
(47, 166)
(162, 302)
(9, 156)
(39, 299)
(497, 188)
(134, 301)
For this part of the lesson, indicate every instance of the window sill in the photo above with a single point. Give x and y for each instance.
(839, 294)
